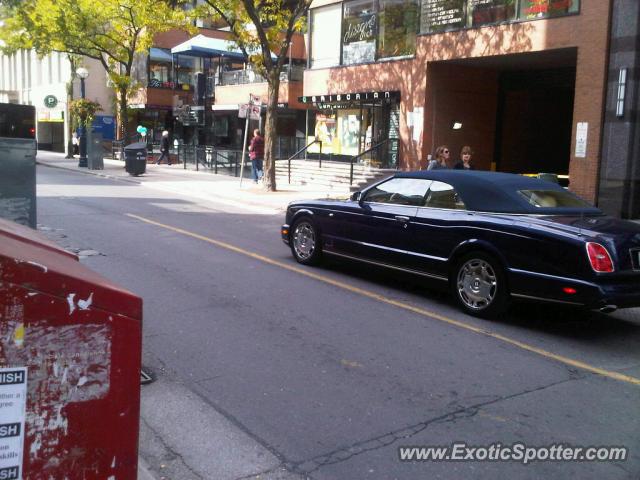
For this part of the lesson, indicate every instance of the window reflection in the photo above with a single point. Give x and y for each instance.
(398, 27)
(160, 68)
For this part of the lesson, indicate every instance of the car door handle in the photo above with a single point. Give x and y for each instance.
(402, 219)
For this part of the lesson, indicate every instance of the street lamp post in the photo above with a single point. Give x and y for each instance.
(83, 73)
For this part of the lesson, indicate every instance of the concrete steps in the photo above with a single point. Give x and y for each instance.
(332, 175)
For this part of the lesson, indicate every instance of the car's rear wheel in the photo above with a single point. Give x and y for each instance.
(479, 285)
(305, 241)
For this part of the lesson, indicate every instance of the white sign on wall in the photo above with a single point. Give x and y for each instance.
(13, 401)
(581, 139)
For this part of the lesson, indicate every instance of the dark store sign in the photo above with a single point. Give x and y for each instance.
(348, 97)
(360, 30)
(438, 15)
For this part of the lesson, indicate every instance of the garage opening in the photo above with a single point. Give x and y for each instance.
(515, 111)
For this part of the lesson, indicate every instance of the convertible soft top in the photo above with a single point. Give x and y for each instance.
(497, 192)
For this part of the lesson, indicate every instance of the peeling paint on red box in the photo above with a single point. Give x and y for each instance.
(80, 338)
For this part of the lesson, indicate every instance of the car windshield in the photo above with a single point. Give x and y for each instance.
(553, 199)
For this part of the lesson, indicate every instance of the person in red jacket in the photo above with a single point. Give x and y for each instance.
(256, 154)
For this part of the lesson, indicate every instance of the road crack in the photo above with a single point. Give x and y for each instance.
(343, 454)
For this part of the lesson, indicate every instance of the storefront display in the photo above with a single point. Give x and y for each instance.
(359, 27)
(353, 124)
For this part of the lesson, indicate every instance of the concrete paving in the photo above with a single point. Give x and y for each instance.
(198, 184)
(205, 186)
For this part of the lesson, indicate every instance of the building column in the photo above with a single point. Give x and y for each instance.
(619, 185)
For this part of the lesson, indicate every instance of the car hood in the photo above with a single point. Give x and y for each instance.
(322, 202)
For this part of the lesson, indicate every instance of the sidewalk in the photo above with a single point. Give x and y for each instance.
(198, 184)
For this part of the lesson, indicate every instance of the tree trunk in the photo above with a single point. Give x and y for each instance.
(124, 117)
(273, 80)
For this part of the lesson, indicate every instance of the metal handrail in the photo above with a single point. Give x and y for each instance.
(355, 157)
(299, 152)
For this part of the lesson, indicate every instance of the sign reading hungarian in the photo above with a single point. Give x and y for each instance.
(13, 401)
(348, 97)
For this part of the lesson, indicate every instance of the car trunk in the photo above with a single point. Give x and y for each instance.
(620, 237)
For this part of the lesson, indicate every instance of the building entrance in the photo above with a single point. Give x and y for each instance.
(514, 111)
(535, 112)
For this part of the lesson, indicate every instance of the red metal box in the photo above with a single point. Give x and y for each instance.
(70, 353)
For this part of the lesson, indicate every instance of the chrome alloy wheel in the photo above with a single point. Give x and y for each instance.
(477, 284)
(304, 240)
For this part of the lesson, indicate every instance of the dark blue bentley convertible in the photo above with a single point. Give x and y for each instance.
(489, 237)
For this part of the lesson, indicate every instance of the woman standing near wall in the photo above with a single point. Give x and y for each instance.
(441, 159)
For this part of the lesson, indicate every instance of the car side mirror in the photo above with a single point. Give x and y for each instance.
(356, 196)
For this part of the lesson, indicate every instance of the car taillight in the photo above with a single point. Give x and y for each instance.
(599, 258)
(32, 132)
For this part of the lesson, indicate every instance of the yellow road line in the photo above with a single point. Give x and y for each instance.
(418, 310)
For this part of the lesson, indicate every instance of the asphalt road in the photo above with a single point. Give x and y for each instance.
(267, 369)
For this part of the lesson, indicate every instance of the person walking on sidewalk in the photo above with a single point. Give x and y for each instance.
(256, 154)
(164, 148)
(75, 141)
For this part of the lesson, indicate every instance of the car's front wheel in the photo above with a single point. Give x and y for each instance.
(479, 285)
(305, 242)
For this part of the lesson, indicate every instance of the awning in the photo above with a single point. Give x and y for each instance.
(201, 46)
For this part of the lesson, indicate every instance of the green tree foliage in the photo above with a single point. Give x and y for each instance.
(110, 31)
(82, 111)
(260, 29)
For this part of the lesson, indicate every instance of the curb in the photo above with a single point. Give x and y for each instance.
(136, 181)
(90, 172)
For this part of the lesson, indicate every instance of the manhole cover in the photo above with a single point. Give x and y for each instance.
(146, 376)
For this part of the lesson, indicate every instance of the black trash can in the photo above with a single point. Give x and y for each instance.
(135, 158)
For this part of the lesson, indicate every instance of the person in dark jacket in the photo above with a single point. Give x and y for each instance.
(465, 159)
(164, 149)
(256, 154)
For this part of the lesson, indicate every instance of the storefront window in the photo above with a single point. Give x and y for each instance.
(325, 132)
(186, 68)
(348, 132)
(398, 27)
(160, 68)
(359, 28)
(442, 15)
(325, 48)
(485, 12)
(532, 9)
